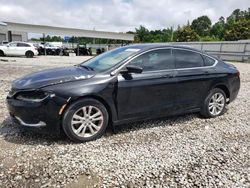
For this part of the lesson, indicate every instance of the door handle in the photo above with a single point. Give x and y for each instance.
(168, 76)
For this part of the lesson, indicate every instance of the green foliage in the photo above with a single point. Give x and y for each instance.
(218, 29)
(201, 25)
(235, 27)
(186, 34)
(52, 39)
(239, 30)
(142, 34)
(209, 38)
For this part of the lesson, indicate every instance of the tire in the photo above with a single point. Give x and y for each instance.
(211, 108)
(1, 53)
(29, 54)
(79, 129)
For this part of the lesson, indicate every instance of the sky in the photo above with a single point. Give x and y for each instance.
(115, 15)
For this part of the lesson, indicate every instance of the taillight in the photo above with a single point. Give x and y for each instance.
(238, 73)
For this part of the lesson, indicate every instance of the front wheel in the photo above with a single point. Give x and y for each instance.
(214, 104)
(1, 53)
(85, 120)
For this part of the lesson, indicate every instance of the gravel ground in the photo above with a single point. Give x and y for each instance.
(173, 152)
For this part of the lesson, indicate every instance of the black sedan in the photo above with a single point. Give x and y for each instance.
(124, 85)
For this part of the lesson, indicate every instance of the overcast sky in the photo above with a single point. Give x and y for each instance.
(115, 15)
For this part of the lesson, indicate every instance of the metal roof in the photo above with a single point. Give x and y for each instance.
(31, 28)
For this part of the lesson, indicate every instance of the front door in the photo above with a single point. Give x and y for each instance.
(22, 48)
(11, 49)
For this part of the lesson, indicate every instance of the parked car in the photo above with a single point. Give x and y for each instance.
(81, 51)
(123, 85)
(50, 49)
(18, 49)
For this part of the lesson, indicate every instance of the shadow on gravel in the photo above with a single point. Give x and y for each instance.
(14, 133)
(159, 122)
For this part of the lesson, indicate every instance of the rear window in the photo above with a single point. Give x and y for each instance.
(23, 45)
(187, 59)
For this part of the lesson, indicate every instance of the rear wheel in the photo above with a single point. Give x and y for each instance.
(29, 54)
(1, 53)
(214, 104)
(85, 120)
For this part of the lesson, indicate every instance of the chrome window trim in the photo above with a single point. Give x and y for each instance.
(116, 71)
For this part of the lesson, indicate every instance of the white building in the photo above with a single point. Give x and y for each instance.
(15, 35)
(10, 31)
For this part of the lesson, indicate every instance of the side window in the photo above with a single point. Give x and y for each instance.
(23, 45)
(155, 60)
(12, 44)
(187, 59)
(208, 61)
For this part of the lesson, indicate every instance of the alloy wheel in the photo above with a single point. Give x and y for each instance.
(216, 104)
(87, 121)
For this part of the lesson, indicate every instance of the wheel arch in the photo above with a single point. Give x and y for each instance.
(29, 51)
(224, 88)
(1, 51)
(96, 97)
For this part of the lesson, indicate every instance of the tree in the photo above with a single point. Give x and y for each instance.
(238, 31)
(201, 25)
(142, 34)
(186, 34)
(218, 29)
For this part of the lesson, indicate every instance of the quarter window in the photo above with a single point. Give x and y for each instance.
(208, 61)
(187, 59)
(155, 60)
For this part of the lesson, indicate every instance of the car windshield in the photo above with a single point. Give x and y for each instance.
(109, 59)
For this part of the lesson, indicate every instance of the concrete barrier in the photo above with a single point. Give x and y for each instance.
(229, 51)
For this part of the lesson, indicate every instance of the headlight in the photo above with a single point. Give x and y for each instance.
(33, 96)
(11, 93)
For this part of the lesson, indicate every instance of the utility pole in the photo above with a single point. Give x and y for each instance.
(44, 44)
(172, 33)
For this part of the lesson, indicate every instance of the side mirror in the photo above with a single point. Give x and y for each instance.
(133, 69)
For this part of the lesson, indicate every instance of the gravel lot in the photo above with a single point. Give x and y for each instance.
(173, 152)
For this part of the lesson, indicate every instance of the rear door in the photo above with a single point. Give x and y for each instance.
(151, 93)
(193, 78)
(22, 48)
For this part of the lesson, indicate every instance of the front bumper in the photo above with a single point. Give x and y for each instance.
(40, 116)
(39, 124)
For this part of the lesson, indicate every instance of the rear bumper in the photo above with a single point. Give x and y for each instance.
(234, 88)
(36, 52)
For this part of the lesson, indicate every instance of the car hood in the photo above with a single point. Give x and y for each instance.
(52, 77)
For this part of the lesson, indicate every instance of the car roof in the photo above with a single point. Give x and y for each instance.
(148, 46)
(20, 42)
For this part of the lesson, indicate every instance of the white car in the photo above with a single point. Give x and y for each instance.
(18, 49)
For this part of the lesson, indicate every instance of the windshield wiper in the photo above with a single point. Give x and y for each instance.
(87, 67)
